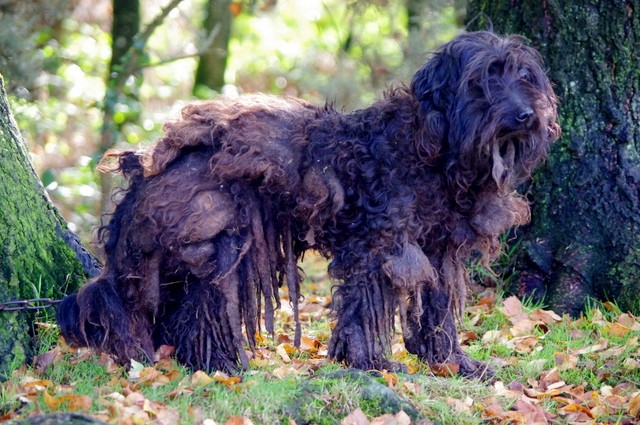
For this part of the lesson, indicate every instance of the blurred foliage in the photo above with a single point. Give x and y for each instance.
(25, 28)
(346, 52)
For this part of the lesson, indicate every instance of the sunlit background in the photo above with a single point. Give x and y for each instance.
(54, 57)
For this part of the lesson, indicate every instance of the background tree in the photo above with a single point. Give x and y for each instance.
(121, 97)
(39, 256)
(584, 239)
(213, 62)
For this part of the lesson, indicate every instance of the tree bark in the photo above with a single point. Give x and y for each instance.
(39, 255)
(584, 239)
(212, 63)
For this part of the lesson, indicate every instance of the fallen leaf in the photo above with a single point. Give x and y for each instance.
(634, 405)
(601, 345)
(629, 321)
(164, 352)
(566, 361)
(546, 316)
(493, 337)
(522, 328)
(357, 417)
(200, 378)
(512, 308)
(391, 379)
(445, 369)
(282, 352)
(461, 406)
(226, 380)
(238, 420)
(617, 330)
(523, 344)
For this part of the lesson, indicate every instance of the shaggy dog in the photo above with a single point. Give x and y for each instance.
(399, 196)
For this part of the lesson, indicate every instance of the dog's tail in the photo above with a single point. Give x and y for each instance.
(127, 163)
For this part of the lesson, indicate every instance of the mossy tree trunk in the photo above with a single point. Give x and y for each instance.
(584, 239)
(213, 62)
(39, 256)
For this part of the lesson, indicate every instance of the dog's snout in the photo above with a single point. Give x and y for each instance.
(524, 115)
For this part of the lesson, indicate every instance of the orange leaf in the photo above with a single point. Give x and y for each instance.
(238, 420)
(390, 378)
(164, 352)
(445, 369)
(309, 345)
(576, 408)
(634, 405)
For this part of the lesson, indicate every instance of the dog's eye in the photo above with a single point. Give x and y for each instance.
(524, 74)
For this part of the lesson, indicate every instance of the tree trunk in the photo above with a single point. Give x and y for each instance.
(213, 62)
(39, 256)
(584, 239)
(125, 26)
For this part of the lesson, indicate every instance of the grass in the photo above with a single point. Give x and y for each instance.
(545, 365)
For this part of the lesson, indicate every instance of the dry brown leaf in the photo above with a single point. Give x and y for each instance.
(67, 402)
(524, 344)
(466, 337)
(285, 371)
(164, 352)
(523, 327)
(461, 406)
(238, 420)
(566, 361)
(634, 405)
(533, 413)
(491, 410)
(309, 345)
(512, 308)
(357, 417)
(546, 316)
(629, 321)
(601, 345)
(617, 330)
(445, 369)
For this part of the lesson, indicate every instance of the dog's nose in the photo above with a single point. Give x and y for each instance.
(524, 115)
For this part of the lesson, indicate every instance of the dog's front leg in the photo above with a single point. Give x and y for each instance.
(365, 304)
(431, 334)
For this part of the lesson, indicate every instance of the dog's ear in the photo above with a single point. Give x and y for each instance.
(434, 88)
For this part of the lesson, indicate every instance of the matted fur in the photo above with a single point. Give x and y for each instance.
(398, 195)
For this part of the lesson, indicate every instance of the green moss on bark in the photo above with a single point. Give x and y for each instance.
(35, 261)
(586, 208)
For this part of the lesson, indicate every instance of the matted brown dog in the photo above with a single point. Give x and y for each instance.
(398, 196)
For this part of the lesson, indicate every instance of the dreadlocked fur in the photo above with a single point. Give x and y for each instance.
(398, 195)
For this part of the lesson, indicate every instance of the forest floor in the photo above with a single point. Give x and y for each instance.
(551, 369)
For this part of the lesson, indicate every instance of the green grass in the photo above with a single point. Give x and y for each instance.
(321, 392)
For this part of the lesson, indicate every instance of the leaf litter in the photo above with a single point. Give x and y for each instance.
(606, 342)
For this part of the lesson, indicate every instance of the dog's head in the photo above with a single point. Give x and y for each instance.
(488, 109)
